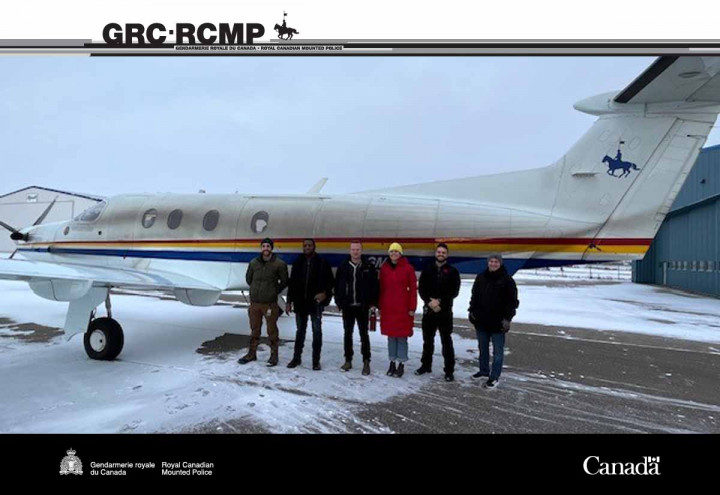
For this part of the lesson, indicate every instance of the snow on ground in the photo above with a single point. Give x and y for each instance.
(621, 306)
(161, 382)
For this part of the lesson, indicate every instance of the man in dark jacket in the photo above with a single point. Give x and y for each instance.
(356, 291)
(267, 276)
(309, 292)
(439, 284)
(492, 308)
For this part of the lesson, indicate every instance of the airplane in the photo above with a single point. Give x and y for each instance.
(603, 200)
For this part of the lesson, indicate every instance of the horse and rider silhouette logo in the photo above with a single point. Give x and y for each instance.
(617, 163)
(283, 30)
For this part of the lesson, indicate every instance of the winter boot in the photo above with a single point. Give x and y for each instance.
(449, 377)
(366, 367)
(250, 356)
(422, 370)
(400, 370)
(273, 361)
(296, 361)
(316, 366)
(391, 370)
(347, 366)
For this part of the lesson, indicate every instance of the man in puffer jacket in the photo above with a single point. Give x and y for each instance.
(492, 308)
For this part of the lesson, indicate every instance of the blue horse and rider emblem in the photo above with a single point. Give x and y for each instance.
(617, 163)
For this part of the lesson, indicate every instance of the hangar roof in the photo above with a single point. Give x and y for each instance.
(80, 195)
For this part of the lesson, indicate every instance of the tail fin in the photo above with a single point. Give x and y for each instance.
(620, 179)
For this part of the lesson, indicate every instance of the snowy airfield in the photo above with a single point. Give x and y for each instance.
(178, 370)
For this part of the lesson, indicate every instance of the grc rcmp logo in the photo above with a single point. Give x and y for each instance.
(71, 464)
(649, 466)
(185, 33)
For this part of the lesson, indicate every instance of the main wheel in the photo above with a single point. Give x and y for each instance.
(104, 339)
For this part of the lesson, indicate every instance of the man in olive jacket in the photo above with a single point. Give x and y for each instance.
(267, 276)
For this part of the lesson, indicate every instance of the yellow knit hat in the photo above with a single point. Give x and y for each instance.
(395, 247)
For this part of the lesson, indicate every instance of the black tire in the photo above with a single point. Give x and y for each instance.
(104, 339)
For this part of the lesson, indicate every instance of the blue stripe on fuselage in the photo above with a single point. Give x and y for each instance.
(464, 264)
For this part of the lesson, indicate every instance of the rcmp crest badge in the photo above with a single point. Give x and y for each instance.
(71, 464)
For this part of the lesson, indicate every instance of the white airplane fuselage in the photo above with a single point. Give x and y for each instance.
(141, 232)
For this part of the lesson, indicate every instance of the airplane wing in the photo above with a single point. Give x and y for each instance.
(673, 78)
(34, 271)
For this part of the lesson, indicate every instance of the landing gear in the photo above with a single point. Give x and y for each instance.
(104, 339)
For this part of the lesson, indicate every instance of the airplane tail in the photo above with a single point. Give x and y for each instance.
(621, 178)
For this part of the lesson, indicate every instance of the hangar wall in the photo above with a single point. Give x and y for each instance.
(686, 251)
(22, 207)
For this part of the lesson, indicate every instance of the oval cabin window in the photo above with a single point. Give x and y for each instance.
(174, 219)
(211, 219)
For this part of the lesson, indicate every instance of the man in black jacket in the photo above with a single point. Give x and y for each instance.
(309, 291)
(356, 292)
(439, 284)
(492, 307)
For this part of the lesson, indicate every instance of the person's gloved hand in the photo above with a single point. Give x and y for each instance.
(506, 326)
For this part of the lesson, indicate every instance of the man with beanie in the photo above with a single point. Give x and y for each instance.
(267, 276)
(492, 308)
(309, 292)
(439, 284)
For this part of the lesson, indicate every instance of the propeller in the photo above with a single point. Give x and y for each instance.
(16, 235)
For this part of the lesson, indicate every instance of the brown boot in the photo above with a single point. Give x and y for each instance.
(250, 356)
(273, 361)
(366, 368)
(347, 366)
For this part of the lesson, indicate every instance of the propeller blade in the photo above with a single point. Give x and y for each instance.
(11, 229)
(45, 213)
(13, 254)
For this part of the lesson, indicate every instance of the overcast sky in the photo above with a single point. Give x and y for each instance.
(278, 124)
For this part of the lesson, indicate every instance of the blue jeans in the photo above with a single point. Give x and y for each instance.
(498, 342)
(301, 320)
(398, 349)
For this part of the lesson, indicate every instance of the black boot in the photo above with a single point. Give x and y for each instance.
(423, 369)
(391, 370)
(400, 370)
(296, 361)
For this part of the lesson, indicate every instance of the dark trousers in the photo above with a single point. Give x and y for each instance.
(350, 315)
(432, 322)
(301, 320)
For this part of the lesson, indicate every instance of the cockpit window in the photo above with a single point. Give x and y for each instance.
(92, 213)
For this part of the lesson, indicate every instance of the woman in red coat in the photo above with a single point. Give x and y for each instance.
(398, 300)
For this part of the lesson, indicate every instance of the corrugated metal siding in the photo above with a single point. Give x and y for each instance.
(686, 251)
(707, 169)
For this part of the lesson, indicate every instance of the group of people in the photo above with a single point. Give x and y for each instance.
(361, 290)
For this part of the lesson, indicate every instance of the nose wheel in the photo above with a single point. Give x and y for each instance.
(103, 339)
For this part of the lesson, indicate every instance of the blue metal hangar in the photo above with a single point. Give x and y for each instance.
(686, 251)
